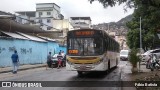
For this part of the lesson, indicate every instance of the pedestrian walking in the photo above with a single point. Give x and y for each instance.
(49, 60)
(149, 60)
(60, 57)
(15, 61)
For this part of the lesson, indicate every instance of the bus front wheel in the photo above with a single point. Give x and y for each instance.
(80, 73)
(109, 66)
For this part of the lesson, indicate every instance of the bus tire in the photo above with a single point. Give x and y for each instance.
(80, 73)
(108, 65)
(116, 62)
(105, 72)
(62, 64)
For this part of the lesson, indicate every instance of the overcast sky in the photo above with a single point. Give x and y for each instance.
(71, 8)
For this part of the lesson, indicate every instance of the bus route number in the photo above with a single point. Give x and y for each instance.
(73, 51)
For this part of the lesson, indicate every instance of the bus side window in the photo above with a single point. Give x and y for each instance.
(105, 44)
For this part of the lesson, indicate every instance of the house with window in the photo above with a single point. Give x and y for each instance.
(46, 13)
(43, 16)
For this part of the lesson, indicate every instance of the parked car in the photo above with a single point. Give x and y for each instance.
(124, 54)
(146, 54)
(55, 61)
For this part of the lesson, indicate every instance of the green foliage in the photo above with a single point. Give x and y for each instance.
(133, 58)
(133, 38)
(149, 11)
(111, 3)
(129, 3)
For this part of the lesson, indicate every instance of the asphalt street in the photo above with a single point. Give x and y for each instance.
(62, 75)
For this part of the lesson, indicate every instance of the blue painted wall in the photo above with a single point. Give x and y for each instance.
(62, 48)
(30, 52)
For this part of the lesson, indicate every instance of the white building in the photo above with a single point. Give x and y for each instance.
(43, 16)
(46, 13)
(63, 25)
(80, 22)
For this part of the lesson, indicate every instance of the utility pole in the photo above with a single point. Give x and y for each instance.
(140, 43)
(140, 35)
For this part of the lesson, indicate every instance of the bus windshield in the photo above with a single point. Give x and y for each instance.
(85, 46)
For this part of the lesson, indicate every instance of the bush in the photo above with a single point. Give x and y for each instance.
(133, 57)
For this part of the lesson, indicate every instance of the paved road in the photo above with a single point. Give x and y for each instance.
(41, 74)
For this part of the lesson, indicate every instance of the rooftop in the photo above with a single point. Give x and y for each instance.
(34, 38)
(14, 35)
(80, 18)
(47, 3)
(10, 25)
(27, 13)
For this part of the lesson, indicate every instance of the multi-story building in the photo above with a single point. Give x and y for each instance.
(63, 25)
(80, 22)
(46, 13)
(43, 16)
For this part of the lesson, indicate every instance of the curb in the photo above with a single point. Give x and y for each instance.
(22, 69)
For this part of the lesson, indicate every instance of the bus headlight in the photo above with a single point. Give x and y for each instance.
(69, 62)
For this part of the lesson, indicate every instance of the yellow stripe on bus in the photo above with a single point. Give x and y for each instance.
(84, 61)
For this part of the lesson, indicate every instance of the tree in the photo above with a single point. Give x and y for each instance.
(134, 59)
(150, 23)
(129, 3)
(150, 13)
(111, 3)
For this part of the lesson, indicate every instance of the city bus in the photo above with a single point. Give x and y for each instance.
(91, 50)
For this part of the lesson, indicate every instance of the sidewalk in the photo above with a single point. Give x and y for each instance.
(126, 74)
(22, 67)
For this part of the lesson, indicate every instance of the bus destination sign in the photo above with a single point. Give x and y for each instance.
(84, 33)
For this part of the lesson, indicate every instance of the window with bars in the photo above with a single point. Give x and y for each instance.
(48, 20)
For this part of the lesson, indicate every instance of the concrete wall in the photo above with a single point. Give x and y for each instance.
(62, 24)
(30, 52)
(62, 48)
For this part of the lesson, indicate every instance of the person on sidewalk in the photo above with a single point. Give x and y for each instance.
(49, 60)
(148, 61)
(15, 61)
(60, 57)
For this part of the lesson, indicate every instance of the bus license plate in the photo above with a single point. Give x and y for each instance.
(82, 67)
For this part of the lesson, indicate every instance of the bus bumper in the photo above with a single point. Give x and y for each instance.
(86, 67)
